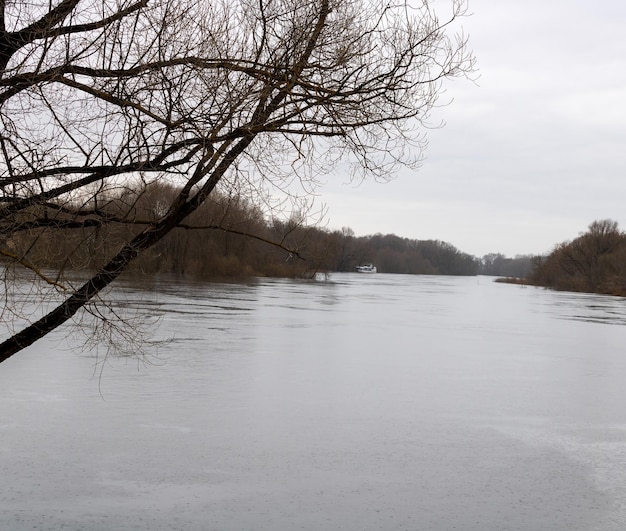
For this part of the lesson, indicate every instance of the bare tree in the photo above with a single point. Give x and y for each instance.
(97, 96)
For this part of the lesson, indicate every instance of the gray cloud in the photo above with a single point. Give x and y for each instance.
(531, 154)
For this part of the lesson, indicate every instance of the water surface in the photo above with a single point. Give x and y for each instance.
(369, 402)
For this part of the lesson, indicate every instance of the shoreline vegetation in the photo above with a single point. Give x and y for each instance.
(229, 238)
(594, 262)
(512, 280)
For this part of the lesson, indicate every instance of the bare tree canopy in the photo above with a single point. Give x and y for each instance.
(97, 98)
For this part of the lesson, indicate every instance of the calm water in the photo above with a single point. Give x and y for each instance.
(382, 402)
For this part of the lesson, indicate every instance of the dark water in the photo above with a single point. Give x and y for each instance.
(370, 402)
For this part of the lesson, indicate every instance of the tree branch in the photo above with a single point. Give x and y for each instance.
(28, 265)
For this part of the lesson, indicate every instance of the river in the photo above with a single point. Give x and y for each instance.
(363, 402)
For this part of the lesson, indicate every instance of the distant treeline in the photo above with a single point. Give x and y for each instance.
(502, 266)
(595, 262)
(230, 237)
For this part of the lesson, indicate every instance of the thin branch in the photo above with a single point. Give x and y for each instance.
(28, 265)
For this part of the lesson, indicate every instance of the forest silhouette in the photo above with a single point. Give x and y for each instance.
(228, 237)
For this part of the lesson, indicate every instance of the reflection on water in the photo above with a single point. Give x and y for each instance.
(362, 402)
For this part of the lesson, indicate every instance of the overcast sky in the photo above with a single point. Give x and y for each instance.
(529, 156)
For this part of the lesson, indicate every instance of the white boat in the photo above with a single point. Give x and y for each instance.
(366, 268)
